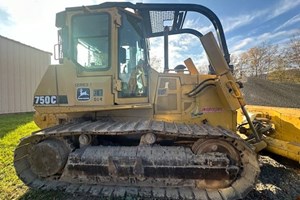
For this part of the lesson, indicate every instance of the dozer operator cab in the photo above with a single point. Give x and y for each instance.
(111, 41)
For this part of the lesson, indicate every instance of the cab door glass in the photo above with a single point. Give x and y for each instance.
(132, 59)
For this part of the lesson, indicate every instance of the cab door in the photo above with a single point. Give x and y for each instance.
(132, 77)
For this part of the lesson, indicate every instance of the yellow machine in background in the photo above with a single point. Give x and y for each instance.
(282, 133)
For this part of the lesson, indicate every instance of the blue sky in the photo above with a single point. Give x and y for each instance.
(246, 23)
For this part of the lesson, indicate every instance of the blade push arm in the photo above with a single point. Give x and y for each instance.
(228, 84)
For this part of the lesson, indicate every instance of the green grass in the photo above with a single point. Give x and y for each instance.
(12, 128)
(11, 122)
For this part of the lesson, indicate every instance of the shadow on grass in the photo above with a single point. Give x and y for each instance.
(10, 122)
(59, 195)
(45, 195)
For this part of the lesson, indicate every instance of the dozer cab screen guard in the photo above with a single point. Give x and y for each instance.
(155, 15)
(175, 14)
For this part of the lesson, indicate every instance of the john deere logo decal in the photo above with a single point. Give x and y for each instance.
(83, 94)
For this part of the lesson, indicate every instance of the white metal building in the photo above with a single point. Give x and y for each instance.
(21, 69)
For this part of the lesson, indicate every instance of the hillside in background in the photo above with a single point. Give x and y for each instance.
(287, 76)
(268, 93)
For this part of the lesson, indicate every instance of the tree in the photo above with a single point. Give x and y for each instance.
(269, 61)
(278, 72)
(240, 65)
(257, 61)
(262, 59)
(292, 52)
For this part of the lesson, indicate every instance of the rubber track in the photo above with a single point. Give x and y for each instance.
(238, 190)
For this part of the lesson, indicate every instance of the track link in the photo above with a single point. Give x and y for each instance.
(249, 167)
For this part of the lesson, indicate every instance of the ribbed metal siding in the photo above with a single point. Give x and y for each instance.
(21, 69)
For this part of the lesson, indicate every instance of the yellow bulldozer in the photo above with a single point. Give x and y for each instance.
(113, 126)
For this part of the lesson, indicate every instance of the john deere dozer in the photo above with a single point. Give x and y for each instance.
(112, 126)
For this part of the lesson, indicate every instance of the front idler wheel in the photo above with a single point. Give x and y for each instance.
(48, 157)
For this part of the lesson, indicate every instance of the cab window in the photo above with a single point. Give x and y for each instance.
(91, 38)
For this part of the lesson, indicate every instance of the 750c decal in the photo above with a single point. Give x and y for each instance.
(45, 100)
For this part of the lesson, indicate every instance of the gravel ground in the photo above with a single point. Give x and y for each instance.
(277, 181)
(267, 93)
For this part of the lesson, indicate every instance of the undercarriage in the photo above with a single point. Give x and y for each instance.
(140, 159)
